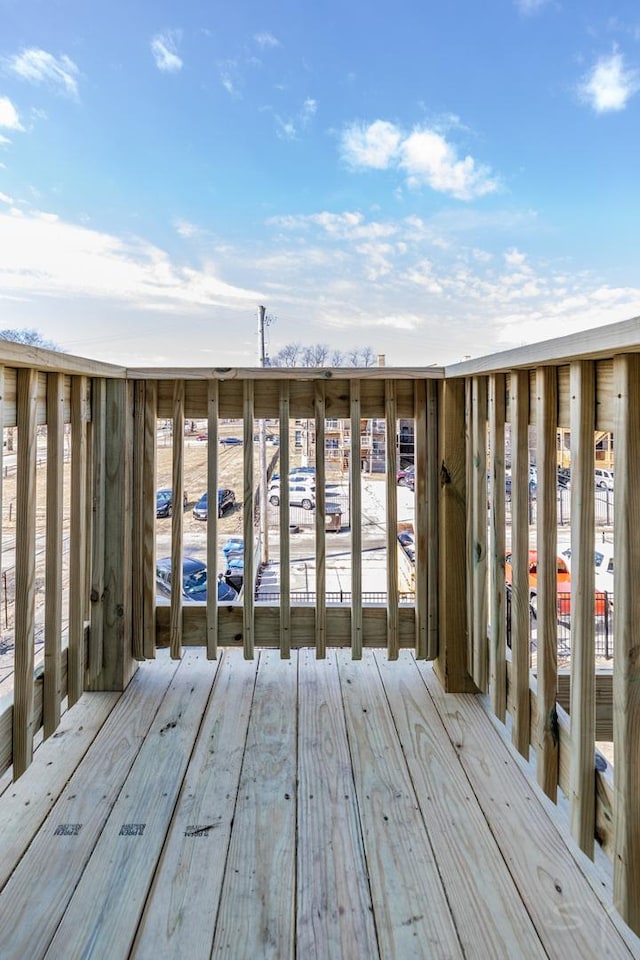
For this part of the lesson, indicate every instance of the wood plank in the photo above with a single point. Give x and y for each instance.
(137, 521)
(321, 527)
(598, 342)
(256, 915)
(98, 526)
(31, 798)
(302, 625)
(58, 855)
(479, 533)
(409, 902)
(284, 518)
(77, 540)
(432, 491)
(53, 553)
(177, 519)
(213, 406)
(180, 916)
(106, 904)
(546, 732)
(451, 663)
(424, 511)
(583, 724)
(490, 918)
(570, 919)
(497, 548)
(391, 427)
(248, 523)
(149, 518)
(626, 680)
(25, 573)
(520, 615)
(333, 900)
(355, 517)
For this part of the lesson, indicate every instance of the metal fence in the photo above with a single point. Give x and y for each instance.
(603, 507)
(603, 617)
(332, 597)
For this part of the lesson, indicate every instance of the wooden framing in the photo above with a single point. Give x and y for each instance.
(355, 514)
(321, 527)
(497, 588)
(53, 572)
(520, 558)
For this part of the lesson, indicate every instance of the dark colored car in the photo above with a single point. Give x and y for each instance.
(226, 501)
(194, 580)
(163, 502)
(231, 441)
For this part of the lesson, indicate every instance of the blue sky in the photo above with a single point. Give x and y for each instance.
(430, 180)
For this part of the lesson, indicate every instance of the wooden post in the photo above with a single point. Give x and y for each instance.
(498, 607)
(355, 516)
(149, 519)
(285, 543)
(432, 473)
(321, 524)
(213, 409)
(77, 540)
(520, 614)
(391, 417)
(626, 671)
(53, 572)
(177, 519)
(25, 571)
(98, 506)
(423, 506)
(547, 742)
(451, 662)
(248, 607)
(479, 531)
(583, 708)
(118, 665)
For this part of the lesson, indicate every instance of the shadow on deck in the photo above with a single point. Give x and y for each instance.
(290, 808)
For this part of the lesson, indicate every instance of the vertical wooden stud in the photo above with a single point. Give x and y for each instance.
(497, 547)
(321, 524)
(285, 544)
(53, 558)
(213, 409)
(149, 518)
(177, 517)
(355, 514)
(77, 555)
(520, 610)
(248, 613)
(391, 418)
(479, 531)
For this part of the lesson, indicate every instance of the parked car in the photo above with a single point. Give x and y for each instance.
(226, 501)
(507, 487)
(563, 582)
(163, 502)
(230, 441)
(407, 477)
(604, 565)
(233, 545)
(604, 479)
(297, 471)
(194, 581)
(564, 476)
(301, 494)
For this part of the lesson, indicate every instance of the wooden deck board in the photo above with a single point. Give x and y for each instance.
(256, 915)
(409, 901)
(570, 919)
(103, 914)
(296, 808)
(181, 912)
(334, 910)
(490, 917)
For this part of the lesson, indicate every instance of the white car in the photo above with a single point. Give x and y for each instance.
(301, 494)
(604, 566)
(604, 479)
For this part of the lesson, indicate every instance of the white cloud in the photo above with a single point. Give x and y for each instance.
(186, 229)
(425, 156)
(4, 198)
(164, 47)
(609, 85)
(266, 40)
(45, 256)
(4, 140)
(429, 159)
(38, 66)
(229, 76)
(9, 118)
(376, 145)
(514, 258)
(530, 6)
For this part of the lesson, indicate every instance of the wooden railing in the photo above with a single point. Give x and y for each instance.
(107, 608)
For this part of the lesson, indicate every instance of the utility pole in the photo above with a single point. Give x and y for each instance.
(262, 445)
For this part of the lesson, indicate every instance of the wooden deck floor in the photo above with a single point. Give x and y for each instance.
(288, 809)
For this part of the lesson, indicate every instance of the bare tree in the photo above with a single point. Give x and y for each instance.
(322, 355)
(367, 357)
(30, 337)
